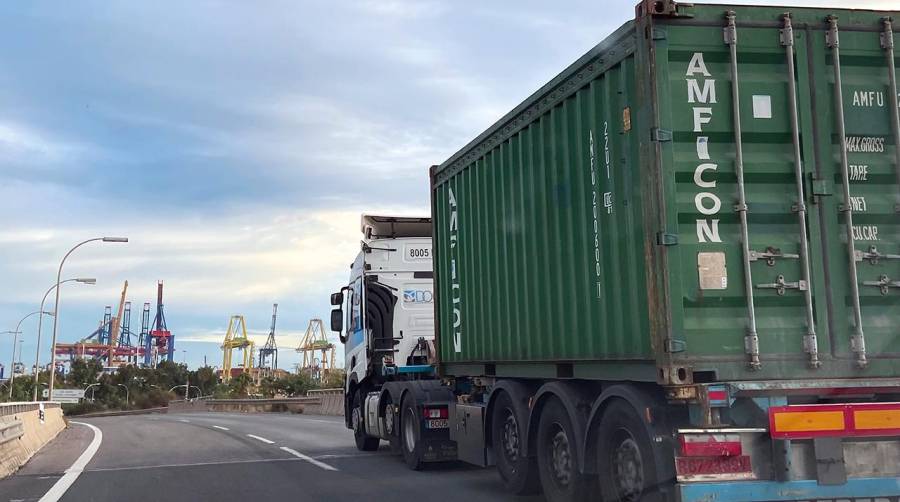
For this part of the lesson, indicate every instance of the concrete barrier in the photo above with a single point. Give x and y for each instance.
(22, 433)
(331, 402)
(294, 405)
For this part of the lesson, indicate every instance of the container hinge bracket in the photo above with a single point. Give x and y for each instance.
(770, 255)
(884, 283)
(660, 135)
(872, 255)
(666, 239)
(660, 34)
(673, 345)
(780, 285)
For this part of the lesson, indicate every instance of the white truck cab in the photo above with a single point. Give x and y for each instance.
(385, 314)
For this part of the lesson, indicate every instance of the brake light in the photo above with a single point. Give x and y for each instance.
(842, 420)
(710, 445)
(436, 412)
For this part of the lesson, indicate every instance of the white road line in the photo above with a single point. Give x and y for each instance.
(192, 464)
(220, 427)
(62, 485)
(264, 440)
(309, 459)
(184, 420)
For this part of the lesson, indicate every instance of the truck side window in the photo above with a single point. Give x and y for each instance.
(355, 295)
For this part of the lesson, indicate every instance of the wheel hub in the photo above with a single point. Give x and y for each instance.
(389, 418)
(561, 458)
(356, 420)
(409, 431)
(628, 467)
(510, 436)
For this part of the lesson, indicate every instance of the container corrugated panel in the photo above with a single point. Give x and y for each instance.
(595, 231)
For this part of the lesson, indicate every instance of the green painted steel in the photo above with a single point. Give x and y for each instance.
(596, 230)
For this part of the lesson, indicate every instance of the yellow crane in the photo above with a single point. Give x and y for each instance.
(314, 340)
(236, 338)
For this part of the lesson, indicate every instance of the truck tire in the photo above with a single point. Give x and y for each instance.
(392, 425)
(518, 472)
(363, 442)
(410, 435)
(557, 457)
(625, 456)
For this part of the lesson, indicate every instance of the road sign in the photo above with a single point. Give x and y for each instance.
(67, 395)
(45, 393)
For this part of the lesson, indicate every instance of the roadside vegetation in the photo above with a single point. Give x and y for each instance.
(155, 387)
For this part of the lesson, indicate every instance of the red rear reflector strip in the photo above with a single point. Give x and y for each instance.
(843, 420)
(439, 412)
(710, 445)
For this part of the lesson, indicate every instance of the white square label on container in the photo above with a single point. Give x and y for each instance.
(762, 106)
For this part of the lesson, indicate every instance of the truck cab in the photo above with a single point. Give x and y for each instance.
(385, 313)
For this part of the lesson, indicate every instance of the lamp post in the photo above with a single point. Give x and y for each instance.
(12, 372)
(126, 392)
(37, 352)
(92, 390)
(56, 302)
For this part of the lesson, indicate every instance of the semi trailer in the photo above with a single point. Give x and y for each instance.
(672, 273)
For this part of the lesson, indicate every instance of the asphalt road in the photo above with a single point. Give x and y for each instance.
(238, 457)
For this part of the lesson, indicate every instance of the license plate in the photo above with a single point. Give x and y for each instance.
(437, 423)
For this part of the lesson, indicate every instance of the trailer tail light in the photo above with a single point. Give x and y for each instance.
(712, 455)
(436, 412)
(835, 420)
(710, 445)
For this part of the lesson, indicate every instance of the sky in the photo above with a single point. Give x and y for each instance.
(237, 143)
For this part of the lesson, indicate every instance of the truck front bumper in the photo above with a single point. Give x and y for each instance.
(874, 489)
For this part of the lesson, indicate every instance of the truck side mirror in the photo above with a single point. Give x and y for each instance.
(337, 299)
(337, 320)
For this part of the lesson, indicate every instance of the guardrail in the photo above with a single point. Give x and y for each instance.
(24, 407)
(11, 430)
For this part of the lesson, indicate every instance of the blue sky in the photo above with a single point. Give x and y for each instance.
(236, 143)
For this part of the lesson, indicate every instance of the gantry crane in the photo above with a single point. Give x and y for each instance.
(236, 338)
(268, 353)
(314, 340)
(159, 340)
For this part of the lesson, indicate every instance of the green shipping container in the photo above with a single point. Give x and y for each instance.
(685, 203)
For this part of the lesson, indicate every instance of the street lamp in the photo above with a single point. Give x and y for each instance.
(56, 302)
(92, 390)
(12, 372)
(126, 392)
(37, 352)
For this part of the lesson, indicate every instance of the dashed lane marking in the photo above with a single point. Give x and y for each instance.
(258, 438)
(309, 459)
(220, 427)
(60, 487)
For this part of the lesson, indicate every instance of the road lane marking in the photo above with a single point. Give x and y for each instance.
(220, 427)
(184, 420)
(309, 459)
(65, 482)
(264, 440)
(192, 464)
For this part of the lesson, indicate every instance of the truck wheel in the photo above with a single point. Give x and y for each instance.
(363, 442)
(625, 456)
(410, 435)
(557, 458)
(507, 438)
(391, 425)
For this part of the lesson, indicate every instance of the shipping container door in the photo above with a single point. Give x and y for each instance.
(773, 274)
(860, 170)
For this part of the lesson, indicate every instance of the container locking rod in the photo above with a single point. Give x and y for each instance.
(858, 339)
(751, 339)
(810, 342)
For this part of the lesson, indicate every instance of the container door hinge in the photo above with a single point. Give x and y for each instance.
(666, 239)
(781, 285)
(674, 346)
(661, 135)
